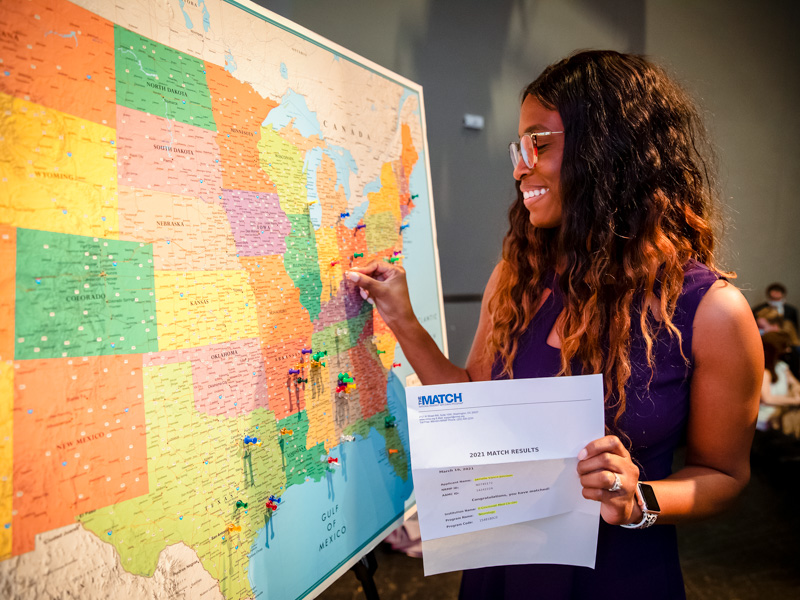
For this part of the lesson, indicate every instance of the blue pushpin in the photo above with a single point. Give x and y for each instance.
(274, 499)
(403, 227)
(305, 351)
(294, 372)
(362, 226)
(250, 440)
(343, 215)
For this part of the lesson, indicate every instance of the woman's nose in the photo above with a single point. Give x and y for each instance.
(521, 170)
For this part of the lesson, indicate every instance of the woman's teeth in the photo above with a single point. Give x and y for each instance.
(534, 193)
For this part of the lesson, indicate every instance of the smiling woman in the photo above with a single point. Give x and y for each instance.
(608, 267)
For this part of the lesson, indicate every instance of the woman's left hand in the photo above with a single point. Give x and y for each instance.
(599, 465)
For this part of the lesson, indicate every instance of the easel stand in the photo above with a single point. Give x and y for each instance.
(364, 570)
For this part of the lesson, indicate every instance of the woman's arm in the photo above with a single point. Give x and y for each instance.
(723, 406)
(725, 388)
(386, 285)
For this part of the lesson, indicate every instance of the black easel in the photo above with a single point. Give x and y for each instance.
(364, 570)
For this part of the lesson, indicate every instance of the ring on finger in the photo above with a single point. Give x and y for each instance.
(617, 484)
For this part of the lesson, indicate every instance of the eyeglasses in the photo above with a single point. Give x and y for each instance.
(527, 148)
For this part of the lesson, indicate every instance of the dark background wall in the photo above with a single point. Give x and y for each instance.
(740, 59)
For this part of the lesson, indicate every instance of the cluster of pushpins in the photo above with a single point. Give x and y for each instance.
(316, 358)
(390, 421)
(345, 384)
(272, 504)
(315, 361)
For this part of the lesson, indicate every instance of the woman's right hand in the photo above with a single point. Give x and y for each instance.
(385, 285)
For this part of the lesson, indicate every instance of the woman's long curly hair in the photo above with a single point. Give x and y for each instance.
(636, 196)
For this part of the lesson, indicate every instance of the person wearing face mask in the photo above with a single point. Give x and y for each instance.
(776, 298)
(608, 267)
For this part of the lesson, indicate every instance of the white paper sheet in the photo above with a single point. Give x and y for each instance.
(494, 471)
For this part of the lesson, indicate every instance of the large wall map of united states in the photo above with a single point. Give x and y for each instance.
(172, 241)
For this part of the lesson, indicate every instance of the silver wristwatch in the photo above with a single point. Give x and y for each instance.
(649, 505)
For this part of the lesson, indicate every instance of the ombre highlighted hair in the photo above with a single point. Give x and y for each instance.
(636, 196)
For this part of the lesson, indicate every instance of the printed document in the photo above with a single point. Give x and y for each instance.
(494, 467)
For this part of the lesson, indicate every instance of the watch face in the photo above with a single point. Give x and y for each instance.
(649, 498)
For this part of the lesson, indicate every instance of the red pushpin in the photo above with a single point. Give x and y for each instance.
(334, 263)
(396, 364)
(332, 460)
(271, 505)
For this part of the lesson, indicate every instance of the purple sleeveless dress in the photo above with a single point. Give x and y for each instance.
(635, 564)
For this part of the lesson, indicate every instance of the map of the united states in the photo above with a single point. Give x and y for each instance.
(193, 399)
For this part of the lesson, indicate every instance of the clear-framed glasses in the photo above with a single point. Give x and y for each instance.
(527, 148)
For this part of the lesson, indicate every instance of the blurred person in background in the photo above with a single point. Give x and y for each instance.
(776, 298)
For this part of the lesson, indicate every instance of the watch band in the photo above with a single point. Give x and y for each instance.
(648, 519)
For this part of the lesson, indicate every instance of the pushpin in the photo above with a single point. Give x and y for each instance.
(341, 388)
(305, 351)
(318, 363)
(414, 196)
(251, 440)
(300, 365)
(332, 460)
(393, 451)
(403, 227)
(240, 504)
(274, 498)
(317, 355)
(310, 202)
(285, 431)
(348, 438)
(294, 372)
(390, 421)
(343, 215)
(233, 527)
(396, 364)
(272, 505)
(393, 259)
(358, 255)
(381, 351)
(396, 253)
(334, 263)
(362, 226)
(301, 380)
(351, 386)
(345, 377)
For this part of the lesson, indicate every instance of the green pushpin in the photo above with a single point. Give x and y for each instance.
(358, 255)
(301, 380)
(381, 351)
(240, 504)
(317, 355)
(393, 259)
(390, 421)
